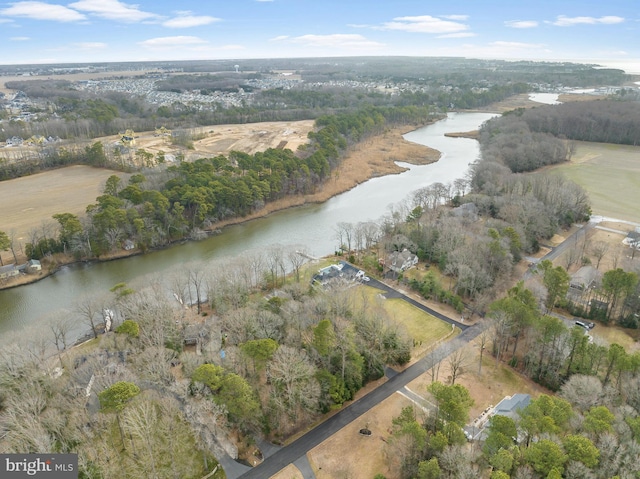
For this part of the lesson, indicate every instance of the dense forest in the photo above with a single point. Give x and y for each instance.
(606, 121)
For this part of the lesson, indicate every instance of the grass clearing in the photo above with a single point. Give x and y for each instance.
(423, 328)
(615, 334)
(29, 201)
(610, 174)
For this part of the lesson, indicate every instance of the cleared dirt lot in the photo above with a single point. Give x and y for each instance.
(220, 139)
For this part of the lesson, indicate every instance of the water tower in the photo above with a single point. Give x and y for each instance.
(237, 67)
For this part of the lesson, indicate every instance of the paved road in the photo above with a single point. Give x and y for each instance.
(562, 247)
(291, 453)
(394, 293)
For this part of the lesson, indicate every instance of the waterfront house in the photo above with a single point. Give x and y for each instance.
(8, 271)
(400, 261)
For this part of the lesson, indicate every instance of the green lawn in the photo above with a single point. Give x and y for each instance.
(422, 327)
(610, 174)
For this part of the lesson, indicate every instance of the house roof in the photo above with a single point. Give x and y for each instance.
(7, 268)
(511, 404)
(584, 275)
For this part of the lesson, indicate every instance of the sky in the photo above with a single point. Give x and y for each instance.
(82, 31)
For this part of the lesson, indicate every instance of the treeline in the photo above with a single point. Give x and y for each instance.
(72, 114)
(590, 430)
(192, 196)
(50, 157)
(465, 96)
(606, 121)
(477, 257)
(177, 383)
(513, 142)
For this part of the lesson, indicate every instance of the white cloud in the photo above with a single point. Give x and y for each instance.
(264, 0)
(232, 47)
(170, 42)
(42, 11)
(424, 24)
(337, 40)
(521, 23)
(563, 21)
(516, 45)
(279, 38)
(90, 45)
(460, 18)
(188, 21)
(19, 39)
(113, 10)
(457, 35)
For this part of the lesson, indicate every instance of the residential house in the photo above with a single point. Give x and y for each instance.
(14, 141)
(467, 210)
(8, 271)
(632, 240)
(582, 279)
(509, 406)
(400, 261)
(328, 274)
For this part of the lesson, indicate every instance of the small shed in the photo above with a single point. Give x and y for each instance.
(33, 266)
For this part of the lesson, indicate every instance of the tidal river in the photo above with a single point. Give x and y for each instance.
(312, 226)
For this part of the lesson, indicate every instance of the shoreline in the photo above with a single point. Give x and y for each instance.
(373, 157)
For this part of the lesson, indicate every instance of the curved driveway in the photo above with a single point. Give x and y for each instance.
(289, 454)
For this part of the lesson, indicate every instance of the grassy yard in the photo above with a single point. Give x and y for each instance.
(610, 174)
(422, 327)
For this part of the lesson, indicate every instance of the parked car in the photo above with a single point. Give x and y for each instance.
(585, 325)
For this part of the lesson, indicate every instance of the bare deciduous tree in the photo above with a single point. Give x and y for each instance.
(296, 255)
(90, 309)
(60, 326)
(457, 361)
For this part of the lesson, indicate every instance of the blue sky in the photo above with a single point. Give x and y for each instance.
(112, 30)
